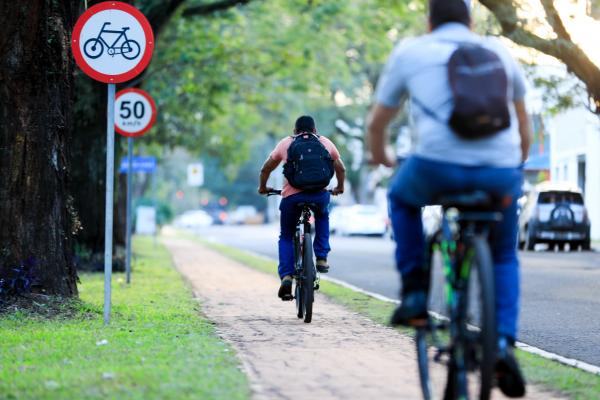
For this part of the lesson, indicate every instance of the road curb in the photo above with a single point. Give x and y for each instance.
(593, 369)
(571, 362)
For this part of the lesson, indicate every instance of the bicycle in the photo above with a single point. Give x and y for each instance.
(94, 47)
(305, 277)
(466, 314)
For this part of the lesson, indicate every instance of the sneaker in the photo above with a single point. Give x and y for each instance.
(285, 290)
(322, 265)
(412, 311)
(508, 373)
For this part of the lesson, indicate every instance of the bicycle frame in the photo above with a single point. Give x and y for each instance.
(455, 241)
(302, 228)
(104, 30)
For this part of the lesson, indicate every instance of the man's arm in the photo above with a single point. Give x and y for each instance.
(379, 119)
(340, 175)
(268, 167)
(524, 128)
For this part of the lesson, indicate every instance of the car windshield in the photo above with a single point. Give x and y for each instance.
(560, 197)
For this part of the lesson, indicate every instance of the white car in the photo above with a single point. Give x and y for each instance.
(242, 214)
(193, 219)
(360, 219)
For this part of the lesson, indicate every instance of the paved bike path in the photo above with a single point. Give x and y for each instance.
(340, 355)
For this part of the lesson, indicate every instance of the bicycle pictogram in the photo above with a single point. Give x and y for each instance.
(128, 48)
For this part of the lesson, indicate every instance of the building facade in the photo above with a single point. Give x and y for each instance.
(575, 156)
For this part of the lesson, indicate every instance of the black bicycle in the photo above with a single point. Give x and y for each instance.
(129, 48)
(305, 277)
(461, 331)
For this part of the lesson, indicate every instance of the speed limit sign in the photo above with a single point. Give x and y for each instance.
(135, 112)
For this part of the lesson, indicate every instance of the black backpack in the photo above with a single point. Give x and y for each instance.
(479, 87)
(309, 165)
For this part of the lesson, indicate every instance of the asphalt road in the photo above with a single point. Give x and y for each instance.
(560, 309)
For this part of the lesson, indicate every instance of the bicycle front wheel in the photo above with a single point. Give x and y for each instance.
(130, 49)
(308, 277)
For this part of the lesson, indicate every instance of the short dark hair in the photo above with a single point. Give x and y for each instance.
(305, 123)
(443, 11)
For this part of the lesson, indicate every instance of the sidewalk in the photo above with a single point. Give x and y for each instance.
(340, 355)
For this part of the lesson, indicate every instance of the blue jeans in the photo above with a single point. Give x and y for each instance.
(419, 182)
(290, 214)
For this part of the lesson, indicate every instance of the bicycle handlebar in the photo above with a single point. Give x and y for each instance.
(277, 192)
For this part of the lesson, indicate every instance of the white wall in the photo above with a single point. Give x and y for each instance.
(573, 134)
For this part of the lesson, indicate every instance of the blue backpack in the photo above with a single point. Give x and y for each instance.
(309, 165)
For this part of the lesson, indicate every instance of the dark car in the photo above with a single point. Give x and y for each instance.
(554, 214)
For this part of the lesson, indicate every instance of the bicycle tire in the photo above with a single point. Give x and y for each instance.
(297, 267)
(423, 362)
(308, 277)
(487, 329)
(91, 52)
(134, 49)
(299, 300)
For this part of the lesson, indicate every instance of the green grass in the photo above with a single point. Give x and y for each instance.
(577, 384)
(157, 344)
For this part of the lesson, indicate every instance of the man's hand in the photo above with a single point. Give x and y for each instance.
(383, 159)
(337, 191)
(379, 118)
(264, 190)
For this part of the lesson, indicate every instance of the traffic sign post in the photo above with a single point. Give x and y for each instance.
(112, 42)
(135, 114)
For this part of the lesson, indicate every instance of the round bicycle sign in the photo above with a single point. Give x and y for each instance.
(135, 112)
(112, 42)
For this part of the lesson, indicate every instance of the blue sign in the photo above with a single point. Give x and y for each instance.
(139, 164)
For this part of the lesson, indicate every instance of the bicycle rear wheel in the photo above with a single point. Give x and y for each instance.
(308, 277)
(481, 320)
(298, 280)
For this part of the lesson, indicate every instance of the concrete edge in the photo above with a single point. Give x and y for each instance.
(571, 362)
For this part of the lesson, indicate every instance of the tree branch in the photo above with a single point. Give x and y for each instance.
(561, 48)
(210, 8)
(555, 20)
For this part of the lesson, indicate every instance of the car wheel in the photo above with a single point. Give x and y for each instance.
(573, 246)
(561, 246)
(529, 240)
(587, 245)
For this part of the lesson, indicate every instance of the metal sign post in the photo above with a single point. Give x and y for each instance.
(135, 114)
(110, 176)
(111, 62)
(129, 216)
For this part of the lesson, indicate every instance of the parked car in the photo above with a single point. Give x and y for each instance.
(193, 219)
(243, 215)
(360, 219)
(555, 214)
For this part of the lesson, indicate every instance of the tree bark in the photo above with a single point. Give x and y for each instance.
(36, 81)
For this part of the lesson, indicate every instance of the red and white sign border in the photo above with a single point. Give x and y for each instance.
(152, 106)
(141, 65)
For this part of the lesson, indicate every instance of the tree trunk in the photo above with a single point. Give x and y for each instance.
(36, 81)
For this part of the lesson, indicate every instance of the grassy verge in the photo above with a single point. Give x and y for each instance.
(573, 382)
(157, 345)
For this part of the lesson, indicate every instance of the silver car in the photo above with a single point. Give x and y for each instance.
(554, 214)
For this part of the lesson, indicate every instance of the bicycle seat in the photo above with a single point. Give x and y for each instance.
(476, 200)
(125, 28)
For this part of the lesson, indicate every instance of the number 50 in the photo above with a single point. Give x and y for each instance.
(138, 109)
